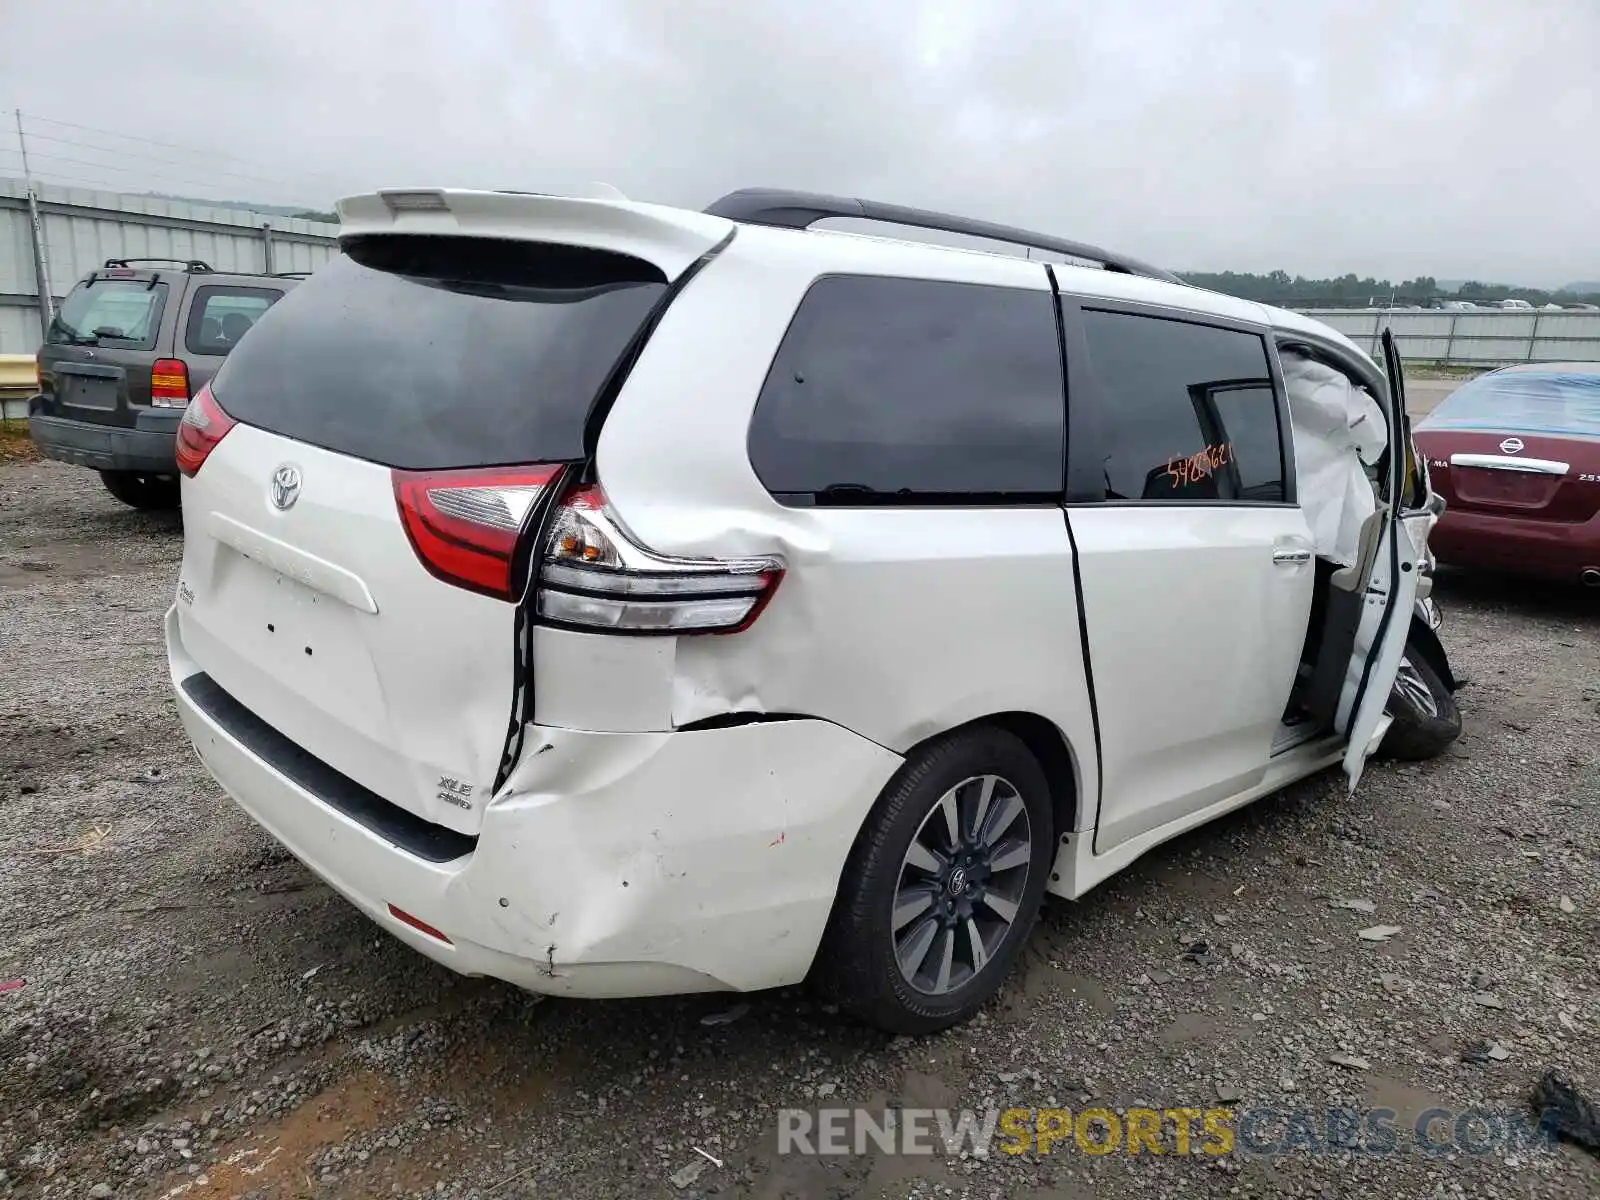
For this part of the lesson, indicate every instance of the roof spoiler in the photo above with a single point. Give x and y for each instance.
(670, 238)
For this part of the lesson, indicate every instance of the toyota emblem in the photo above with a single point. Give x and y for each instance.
(285, 486)
(1512, 445)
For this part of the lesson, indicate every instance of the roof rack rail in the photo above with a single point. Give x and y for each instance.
(290, 275)
(196, 265)
(801, 210)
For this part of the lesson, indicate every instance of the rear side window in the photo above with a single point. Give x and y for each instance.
(219, 315)
(437, 352)
(905, 391)
(1188, 411)
(125, 313)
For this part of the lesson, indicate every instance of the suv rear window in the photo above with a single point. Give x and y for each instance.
(437, 352)
(125, 313)
(902, 391)
(219, 315)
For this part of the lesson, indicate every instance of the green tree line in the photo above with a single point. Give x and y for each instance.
(1350, 291)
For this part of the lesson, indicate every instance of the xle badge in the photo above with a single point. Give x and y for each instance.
(453, 791)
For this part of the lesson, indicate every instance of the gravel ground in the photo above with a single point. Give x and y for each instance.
(202, 1018)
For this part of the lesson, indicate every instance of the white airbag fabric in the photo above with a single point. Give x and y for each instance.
(1337, 427)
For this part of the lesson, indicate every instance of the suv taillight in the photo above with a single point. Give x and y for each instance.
(465, 525)
(594, 576)
(204, 424)
(169, 383)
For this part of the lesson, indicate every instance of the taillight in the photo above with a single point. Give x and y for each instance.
(204, 424)
(169, 383)
(593, 576)
(465, 525)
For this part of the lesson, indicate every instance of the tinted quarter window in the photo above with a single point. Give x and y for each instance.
(219, 316)
(1188, 411)
(123, 313)
(902, 390)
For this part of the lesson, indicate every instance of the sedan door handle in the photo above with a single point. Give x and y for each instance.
(1286, 557)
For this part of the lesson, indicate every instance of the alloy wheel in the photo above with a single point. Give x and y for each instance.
(961, 884)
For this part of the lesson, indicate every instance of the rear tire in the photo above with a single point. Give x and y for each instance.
(140, 490)
(1426, 719)
(926, 925)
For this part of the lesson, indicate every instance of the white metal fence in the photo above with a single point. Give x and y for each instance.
(1487, 338)
(82, 228)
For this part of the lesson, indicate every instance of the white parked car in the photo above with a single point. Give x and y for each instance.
(623, 600)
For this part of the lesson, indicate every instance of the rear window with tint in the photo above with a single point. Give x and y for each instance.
(436, 352)
(125, 313)
(1551, 402)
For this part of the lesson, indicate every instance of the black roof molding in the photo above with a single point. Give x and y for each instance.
(801, 210)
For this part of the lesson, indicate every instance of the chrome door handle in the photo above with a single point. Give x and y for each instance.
(1288, 558)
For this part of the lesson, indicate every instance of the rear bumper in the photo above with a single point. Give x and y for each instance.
(149, 446)
(1517, 545)
(610, 864)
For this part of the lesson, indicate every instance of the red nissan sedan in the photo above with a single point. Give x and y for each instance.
(1516, 456)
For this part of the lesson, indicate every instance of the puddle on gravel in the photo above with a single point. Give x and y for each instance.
(19, 575)
(1408, 1101)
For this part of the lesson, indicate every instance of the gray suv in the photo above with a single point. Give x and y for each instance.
(130, 344)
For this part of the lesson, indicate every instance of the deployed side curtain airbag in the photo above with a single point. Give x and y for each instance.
(1337, 428)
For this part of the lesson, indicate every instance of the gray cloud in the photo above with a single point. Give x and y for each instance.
(1389, 137)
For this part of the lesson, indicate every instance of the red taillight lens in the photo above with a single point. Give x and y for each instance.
(169, 383)
(464, 525)
(204, 424)
(594, 576)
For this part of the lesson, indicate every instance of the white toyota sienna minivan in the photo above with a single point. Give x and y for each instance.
(622, 600)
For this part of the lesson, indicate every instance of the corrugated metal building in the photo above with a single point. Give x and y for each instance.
(83, 228)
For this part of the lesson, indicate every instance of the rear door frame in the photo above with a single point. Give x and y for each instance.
(1084, 478)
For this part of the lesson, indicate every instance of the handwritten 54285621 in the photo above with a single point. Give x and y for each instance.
(1184, 471)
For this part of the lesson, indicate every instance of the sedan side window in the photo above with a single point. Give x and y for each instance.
(1189, 413)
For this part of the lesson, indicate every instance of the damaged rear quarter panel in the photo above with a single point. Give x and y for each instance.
(715, 851)
(894, 623)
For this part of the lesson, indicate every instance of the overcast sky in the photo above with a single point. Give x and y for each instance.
(1387, 137)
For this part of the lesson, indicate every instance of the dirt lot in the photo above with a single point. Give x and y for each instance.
(201, 1018)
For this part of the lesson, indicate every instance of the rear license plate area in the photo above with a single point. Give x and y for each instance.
(1508, 489)
(84, 391)
(305, 640)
